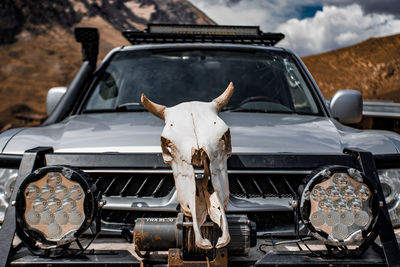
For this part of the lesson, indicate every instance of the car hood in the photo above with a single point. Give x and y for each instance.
(251, 133)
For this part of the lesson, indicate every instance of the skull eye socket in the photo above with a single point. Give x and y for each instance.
(166, 145)
(226, 139)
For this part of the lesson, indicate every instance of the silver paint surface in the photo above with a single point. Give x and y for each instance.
(251, 133)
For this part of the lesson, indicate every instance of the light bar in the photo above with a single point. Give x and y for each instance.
(204, 30)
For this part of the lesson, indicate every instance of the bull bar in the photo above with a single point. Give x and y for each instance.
(388, 254)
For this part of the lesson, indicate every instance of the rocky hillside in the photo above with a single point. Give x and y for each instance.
(38, 50)
(372, 67)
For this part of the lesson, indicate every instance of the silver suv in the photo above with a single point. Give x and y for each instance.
(282, 132)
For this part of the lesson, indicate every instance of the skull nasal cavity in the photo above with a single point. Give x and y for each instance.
(199, 156)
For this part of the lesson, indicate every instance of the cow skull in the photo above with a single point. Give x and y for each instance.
(194, 135)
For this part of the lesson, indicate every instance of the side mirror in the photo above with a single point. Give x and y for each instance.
(54, 96)
(347, 106)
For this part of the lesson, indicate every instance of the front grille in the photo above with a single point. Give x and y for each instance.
(159, 185)
(134, 184)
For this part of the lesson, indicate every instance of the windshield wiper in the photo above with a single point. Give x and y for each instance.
(137, 107)
(124, 107)
(239, 109)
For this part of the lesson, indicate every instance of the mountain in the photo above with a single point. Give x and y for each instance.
(372, 67)
(38, 50)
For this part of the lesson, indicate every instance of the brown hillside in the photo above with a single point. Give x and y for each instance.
(38, 50)
(372, 67)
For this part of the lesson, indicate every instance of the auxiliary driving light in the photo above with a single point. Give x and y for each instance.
(54, 206)
(338, 206)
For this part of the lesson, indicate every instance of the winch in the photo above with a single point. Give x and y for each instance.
(164, 234)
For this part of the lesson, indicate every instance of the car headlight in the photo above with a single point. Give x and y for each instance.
(7, 181)
(338, 206)
(54, 206)
(390, 181)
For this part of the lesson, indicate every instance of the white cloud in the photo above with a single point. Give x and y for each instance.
(235, 15)
(267, 14)
(335, 27)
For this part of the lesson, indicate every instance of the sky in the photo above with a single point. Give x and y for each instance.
(310, 26)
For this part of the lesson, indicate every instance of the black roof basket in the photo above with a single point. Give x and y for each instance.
(180, 33)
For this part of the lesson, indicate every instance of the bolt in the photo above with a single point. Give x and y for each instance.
(102, 203)
(293, 204)
(326, 173)
(381, 204)
(355, 174)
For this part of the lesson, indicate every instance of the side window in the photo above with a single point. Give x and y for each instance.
(106, 93)
(301, 96)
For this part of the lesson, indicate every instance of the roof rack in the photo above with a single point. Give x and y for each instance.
(180, 33)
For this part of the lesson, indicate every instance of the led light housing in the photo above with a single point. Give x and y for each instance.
(7, 181)
(338, 206)
(390, 181)
(55, 205)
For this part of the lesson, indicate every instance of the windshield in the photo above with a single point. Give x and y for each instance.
(265, 81)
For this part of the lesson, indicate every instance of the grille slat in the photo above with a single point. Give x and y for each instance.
(110, 185)
(124, 189)
(142, 186)
(158, 187)
(273, 186)
(258, 187)
(241, 187)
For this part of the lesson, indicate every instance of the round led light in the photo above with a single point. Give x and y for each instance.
(61, 192)
(340, 231)
(54, 230)
(347, 192)
(75, 192)
(32, 192)
(46, 192)
(361, 218)
(47, 217)
(55, 205)
(69, 204)
(363, 192)
(333, 193)
(39, 204)
(347, 218)
(33, 217)
(345, 215)
(54, 179)
(354, 205)
(76, 217)
(332, 218)
(318, 218)
(318, 193)
(61, 217)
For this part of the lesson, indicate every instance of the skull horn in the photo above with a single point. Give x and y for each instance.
(155, 109)
(224, 98)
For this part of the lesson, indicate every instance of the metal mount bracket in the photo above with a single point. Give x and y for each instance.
(31, 160)
(386, 233)
(175, 260)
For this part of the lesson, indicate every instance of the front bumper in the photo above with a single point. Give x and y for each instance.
(116, 252)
